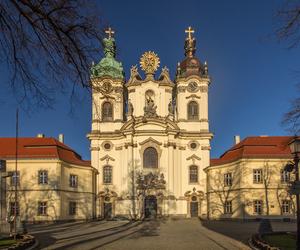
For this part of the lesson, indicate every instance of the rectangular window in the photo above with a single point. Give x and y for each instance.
(72, 208)
(42, 208)
(107, 174)
(228, 207)
(286, 206)
(228, 179)
(43, 177)
(285, 176)
(193, 174)
(15, 178)
(257, 206)
(257, 176)
(73, 180)
(14, 206)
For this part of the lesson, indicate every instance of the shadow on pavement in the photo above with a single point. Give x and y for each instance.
(237, 230)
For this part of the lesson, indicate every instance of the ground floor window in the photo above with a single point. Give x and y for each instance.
(257, 206)
(42, 208)
(228, 207)
(286, 207)
(72, 208)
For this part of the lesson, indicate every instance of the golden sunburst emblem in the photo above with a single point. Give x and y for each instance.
(149, 62)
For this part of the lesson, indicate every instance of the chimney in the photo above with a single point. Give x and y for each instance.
(40, 135)
(61, 138)
(237, 139)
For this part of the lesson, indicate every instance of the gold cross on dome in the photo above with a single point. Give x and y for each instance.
(190, 31)
(110, 32)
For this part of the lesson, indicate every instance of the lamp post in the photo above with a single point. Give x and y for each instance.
(295, 150)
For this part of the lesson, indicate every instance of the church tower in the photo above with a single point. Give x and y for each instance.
(191, 94)
(108, 87)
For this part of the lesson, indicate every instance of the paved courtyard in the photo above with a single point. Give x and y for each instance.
(159, 234)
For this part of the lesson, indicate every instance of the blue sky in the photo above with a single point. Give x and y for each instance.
(253, 76)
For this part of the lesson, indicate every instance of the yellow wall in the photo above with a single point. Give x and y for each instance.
(244, 191)
(57, 193)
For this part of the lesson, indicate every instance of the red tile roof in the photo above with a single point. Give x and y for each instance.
(34, 148)
(257, 147)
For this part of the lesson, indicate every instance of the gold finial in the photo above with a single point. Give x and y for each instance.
(149, 62)
(110, 32)
(190, 31)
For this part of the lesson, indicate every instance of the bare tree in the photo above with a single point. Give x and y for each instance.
(288, 18)
(48, 45)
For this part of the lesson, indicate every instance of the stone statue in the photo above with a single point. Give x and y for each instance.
(150, 108)
(130, 109)
(171, 108)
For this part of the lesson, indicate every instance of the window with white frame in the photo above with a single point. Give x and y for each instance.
(257, 206)
(193, 174)
(15, 178)
(257, 176)
(107, 111)
(107, 174)
(228, 207)
(150, 158)
(42, 208)
(284, 176)
(193, 110)
(227, 179)
(43, 177)
(286, 206)
(72, 208)
(73, 180)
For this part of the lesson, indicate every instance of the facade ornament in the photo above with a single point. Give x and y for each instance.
(149, 63)
(165, 75)
(205, 68)
(130, 109)
(134, 74)
(171, 108)
(150, 108)
(190, 43)
(151, 181)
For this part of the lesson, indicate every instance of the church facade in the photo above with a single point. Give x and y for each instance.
(150, 138)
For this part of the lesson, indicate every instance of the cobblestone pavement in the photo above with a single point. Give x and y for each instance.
(148, 235)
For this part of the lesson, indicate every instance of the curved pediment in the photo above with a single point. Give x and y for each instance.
(143, 123)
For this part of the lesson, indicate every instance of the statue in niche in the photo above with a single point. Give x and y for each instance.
(150, 107)
(170, 108)
(130, 108)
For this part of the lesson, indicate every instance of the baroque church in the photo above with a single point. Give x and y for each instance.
(150, 155)
(150, 138)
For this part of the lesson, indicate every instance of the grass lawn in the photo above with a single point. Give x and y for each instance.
(283, 241)
(6, 242)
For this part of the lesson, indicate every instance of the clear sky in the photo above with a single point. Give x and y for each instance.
(253, 76)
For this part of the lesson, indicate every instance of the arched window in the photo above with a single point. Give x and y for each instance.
(193, 111)
(193, 174)
(107, 174)
(150, 158)
(107, 111)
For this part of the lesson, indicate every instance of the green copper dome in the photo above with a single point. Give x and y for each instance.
(108, 66)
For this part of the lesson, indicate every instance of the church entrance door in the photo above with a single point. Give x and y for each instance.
(107, 210)
(194, 209)
(150, 206)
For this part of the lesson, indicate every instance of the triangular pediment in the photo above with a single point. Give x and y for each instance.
(150, 140)
(193, 157)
